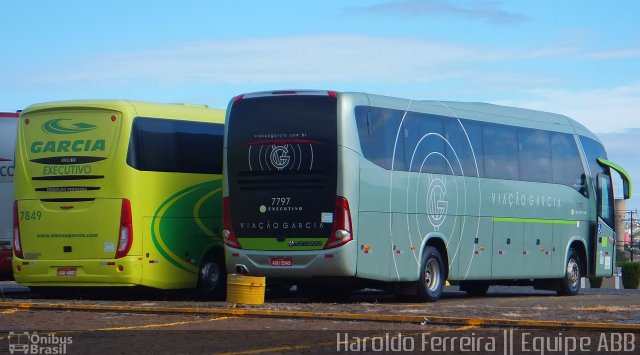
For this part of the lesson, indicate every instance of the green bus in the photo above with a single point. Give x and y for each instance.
(340, 191)
(119, 193)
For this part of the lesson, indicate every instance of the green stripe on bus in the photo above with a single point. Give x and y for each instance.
(288, 244)
(533, 220)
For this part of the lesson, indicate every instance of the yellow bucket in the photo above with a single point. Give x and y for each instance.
(245, 289)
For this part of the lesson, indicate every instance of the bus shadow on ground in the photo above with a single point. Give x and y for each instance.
(140, 293)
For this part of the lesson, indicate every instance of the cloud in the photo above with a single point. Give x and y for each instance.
(302, 59)
(336, 58)
(488, 11)
(628, 53)
(421, 67)
(605, 110)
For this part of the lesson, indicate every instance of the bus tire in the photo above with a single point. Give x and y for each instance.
(474, 288)
(212, 279)
(570, 283)
(432, 278)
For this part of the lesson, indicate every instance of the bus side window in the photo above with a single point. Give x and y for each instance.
(582, 185)
(534, 149)
(378, 129)
(566, 164)
(500, 151)
(424, 143)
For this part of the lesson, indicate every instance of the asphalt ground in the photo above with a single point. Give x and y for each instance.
(146, 321)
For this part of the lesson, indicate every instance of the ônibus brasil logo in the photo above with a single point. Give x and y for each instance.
(56, 126)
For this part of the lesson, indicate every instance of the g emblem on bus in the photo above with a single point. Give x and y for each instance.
(436, 204)
(280, 157)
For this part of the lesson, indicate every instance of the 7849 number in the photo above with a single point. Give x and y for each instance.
(30, 215)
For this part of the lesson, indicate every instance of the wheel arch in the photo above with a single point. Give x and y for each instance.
(578, 244)
(438, 242)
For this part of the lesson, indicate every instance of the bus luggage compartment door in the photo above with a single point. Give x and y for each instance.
(69, 230)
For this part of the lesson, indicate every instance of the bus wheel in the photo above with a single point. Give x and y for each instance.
(474, 288)
(432, 277)
(570, 283)
(212, 279)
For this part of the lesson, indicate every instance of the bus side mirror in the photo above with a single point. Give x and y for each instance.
(624, 175)
(626, 190)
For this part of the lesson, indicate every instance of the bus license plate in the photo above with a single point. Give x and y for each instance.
(66, 271)
(281, 261)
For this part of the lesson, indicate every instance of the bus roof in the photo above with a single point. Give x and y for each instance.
(484, 112)
(468, 110)
(130, 108)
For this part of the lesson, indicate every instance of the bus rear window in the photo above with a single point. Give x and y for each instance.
(175, 146)
(290, 117)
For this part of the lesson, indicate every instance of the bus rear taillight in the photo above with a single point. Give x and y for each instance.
(341, 233)
(228, 235)
(17, 246)
(126, 230)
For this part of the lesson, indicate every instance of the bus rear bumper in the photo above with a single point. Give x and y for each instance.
(338, 262)
(125, 271)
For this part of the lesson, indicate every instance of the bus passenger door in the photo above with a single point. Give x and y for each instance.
(604, 258)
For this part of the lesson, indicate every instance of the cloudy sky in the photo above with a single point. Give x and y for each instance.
(577, 58)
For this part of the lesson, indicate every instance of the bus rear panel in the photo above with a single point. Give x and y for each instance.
(117, 193)
(284, 216)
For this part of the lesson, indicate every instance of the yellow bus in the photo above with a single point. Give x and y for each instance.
(119, 193)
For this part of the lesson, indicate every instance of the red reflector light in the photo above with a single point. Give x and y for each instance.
(26, 121)
(237, 98)
(17, 246)
(333, 94)
(125, 238)
(228, 236)
(235, 255)
(113, 118)
(341, 233)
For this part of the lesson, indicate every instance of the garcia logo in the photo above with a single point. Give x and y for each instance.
(437, 204)
(79, 145)
(57, 127)
(280, 156)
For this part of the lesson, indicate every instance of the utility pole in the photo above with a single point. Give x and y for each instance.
(631, 231)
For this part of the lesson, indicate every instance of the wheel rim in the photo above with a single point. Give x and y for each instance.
(432, 275)
(573, 272)
(209, 276)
